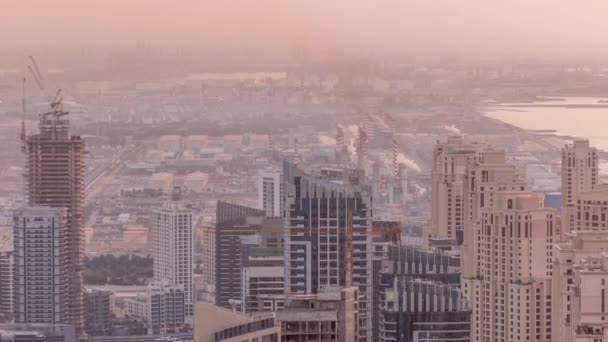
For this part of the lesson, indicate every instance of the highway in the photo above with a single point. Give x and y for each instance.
(112, 165)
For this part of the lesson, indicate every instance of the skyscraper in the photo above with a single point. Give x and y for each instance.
(42, 265)
(172, 247)
(231, 226)
(507, 251)
(579, 174)
(54, 175)
(237, 226)
(270, 193)
(484, 179)
(450, 160)
(510, 294)
(324, 213)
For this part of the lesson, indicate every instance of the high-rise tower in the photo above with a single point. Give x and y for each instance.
(508, 243)
(172, 247)
(323, 211)
(238, 227)
(270, 193)
(40, 287)
(54, 177)
(231, 226)
(511, 295)
(450, 160)
(579, 175)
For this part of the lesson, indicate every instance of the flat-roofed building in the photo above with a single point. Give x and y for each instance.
(40, 247)
(417, 310)
(172, 243)
(98, 309)
(325, 210)
(214, 324)
(329, 315)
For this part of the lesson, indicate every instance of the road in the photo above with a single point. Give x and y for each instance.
(111, 166)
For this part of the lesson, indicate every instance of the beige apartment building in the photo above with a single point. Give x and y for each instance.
(510, 294)
(507, 253)
(591, 209)
(450, 160)
(484, 178)
(589, 297)
(579, 268)
(579, 175)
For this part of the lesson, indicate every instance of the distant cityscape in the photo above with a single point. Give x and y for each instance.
(381, 203)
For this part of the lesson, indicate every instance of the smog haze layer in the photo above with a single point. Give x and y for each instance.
(278, 32)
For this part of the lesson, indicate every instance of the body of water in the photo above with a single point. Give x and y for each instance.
(563, 116)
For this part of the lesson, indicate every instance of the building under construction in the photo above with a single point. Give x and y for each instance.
(54, 177)
(327, 227)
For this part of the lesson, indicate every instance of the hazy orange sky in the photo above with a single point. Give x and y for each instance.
(385, 28)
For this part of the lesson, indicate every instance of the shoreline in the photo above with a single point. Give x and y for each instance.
(532, 105)
(539, 135)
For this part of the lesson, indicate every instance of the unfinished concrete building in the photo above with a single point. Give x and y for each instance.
(329, 315)
(54, 177)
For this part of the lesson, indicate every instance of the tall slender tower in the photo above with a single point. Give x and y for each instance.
(172, 246)
(450, 160)
(54, 177)
(270, 192)
(579, 175)
(327, 227)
